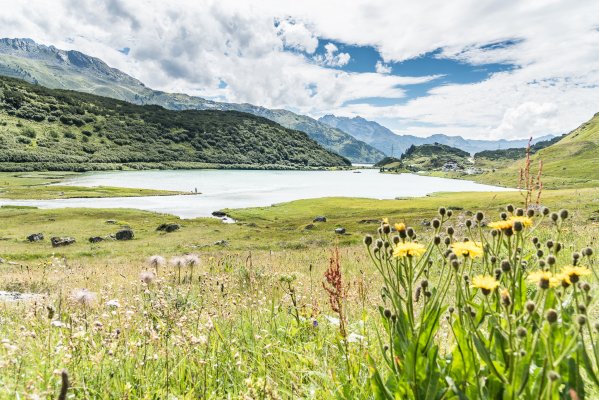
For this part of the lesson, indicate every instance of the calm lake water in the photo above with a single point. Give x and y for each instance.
(239, 188)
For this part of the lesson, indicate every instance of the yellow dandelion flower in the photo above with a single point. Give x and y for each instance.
(564, 279)
(574, 273)
(526, 222)
(501, 225)
(485, 283)
(468, 249)
(408, 249)
(544, 279)
(386, 220)
(399, 227)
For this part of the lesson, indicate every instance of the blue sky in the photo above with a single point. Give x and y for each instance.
(451, 71)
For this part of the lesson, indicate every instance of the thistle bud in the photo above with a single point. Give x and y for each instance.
(554, 217)
(449, 213)
(442, 211)
(436, 223)
(551, 259)
(379, 243)
(581, 320)
(521, 331)
(480, 216)
(546, 211)
(386, 229)
(530, 306)
(587, 252)
(518, 226)
(468, 223)
(368, 240)
(563, 214)
(410, 232)
(447, 241)
(437, 240)
(530, 213)
(506, 266)
(549, 244)
(510, 208)
(520, 212)
(450, 230)
(503, 216)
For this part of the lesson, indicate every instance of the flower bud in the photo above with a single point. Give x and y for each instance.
(379, 243)
(518, 226)
(510, 208)
(468, 223)
(530, 306)
(585, 286)
(553, 376)
(424, 284)
(535, 240)
(530, 213)
(581, 320)
(450, 230)
(551, 259)
(554, 217)
(587, 252)
(449, 213)
(520, 212)
(540, 253)
(480, 216)
(582, 308)
(506, 266)
(551, 316)
(368, 240)
(387, 313)
(447, 241)
(442, 211)
(386, 229)
(503, 216)
(521, 331)
(563, 214)
(451, 310)
(549, 244)
(437, 240)
(545, 211)
(396, 239)
(436, 223)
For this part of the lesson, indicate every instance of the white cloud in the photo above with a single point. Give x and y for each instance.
(331, 58)
(190, 47)
(382, 68)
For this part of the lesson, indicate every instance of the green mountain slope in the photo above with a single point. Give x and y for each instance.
(428, 157)
(44, 128)
(571, 162)
(60, 69)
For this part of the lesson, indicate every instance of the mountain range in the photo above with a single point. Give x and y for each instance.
(393, 144)
(54, 129)
(73, 70)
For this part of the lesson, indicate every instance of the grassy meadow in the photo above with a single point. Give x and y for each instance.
(240, 311)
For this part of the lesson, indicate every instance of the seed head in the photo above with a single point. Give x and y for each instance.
(83, 297)
(147, 277)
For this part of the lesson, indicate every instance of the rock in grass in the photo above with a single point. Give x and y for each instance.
(95, 239)
(320, 218)
(168, 227)
(61, 241)
(35, 237)
(340, 231)
(310, 226)
(221, 243)
(124, 234)
(111, 221)
(219, 214)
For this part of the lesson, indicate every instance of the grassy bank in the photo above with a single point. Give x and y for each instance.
(46, 186)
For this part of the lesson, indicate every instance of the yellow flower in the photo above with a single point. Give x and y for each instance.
(386, 220)
(574, 273)
(501, 225)
(544, 279)
(408, 249)
(564, 279)
(486, 283)
(468, 249)
(399, 227)
(526, 222)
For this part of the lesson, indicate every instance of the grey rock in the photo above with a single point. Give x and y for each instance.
(124, 234)
(168, 227)
(320, 218)
(35, 237)
(111, 221)
(95, 239)
(340, 231)
(221, 243)
(61, 241)
(310, 226)
(219, 214)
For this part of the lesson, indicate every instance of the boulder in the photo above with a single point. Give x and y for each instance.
(168, 227)
(124, 234)
(320, 218)
(61, 241)
(35, 237)
(219, 214)
(310, 226)
(95, 239)
(340, 231)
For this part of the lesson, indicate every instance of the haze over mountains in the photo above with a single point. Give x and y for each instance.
(393, 144)
(60, 69)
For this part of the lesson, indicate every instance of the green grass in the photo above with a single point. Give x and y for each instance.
(45, 186)
(231, 330)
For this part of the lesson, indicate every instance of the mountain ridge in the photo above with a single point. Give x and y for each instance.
(73, 70)
(393, 144)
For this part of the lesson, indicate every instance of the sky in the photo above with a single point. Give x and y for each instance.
(480, 69)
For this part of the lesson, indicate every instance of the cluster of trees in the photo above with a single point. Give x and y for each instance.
(41, 126)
